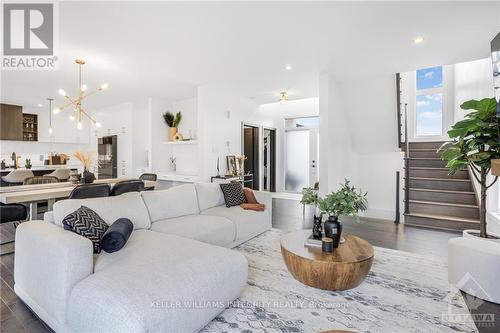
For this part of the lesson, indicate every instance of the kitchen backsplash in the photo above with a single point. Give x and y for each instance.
(38, 151)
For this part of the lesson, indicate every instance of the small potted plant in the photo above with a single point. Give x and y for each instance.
(27, 163)
(172, 122)
(346, 201)
(310, 208)
(173, 165)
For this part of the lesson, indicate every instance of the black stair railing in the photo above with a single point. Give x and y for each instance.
(403, 144)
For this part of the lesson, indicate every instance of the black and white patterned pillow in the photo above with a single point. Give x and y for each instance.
(233, 194)
(85, 222)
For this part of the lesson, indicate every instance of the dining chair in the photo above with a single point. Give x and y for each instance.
(12, 213)
(135, 185)
(16, 177)
(148, 176)
(86, 191)
(40, 180)
(61, 174)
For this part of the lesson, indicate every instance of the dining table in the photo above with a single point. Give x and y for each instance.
(33, 194)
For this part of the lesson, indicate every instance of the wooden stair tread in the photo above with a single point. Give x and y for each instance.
(438, 203)
(444, 191)
(432, 227)
(423, 149)
(443, 217)
(441, 179)
(425, 158)
(429, 168)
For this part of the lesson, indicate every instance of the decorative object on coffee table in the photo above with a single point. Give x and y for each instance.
(343, 269)
(327, 244)
(346, 201)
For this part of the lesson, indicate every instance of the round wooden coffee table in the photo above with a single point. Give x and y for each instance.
(345, 268)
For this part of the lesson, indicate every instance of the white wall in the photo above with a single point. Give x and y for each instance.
(472, 80)
(358, 139)
(335, 137)
(221, 109)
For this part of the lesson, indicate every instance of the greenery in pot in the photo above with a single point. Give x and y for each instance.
(27, 163)
(309, 196)
(172, 120)
(474, 144)
(346, 201)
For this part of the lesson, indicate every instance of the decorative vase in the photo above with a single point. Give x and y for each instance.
(87, 177)
(172, 131)
(333, 230)
(317, 229)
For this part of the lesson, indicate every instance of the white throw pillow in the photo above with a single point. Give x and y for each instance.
(173, 202)
(209, 195)
(110, 209)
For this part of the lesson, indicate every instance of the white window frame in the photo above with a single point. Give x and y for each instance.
(447, 112)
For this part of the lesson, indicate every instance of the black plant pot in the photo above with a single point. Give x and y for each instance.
(333, 230)
(87, 177)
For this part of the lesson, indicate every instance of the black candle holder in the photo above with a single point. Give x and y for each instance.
(327, 244)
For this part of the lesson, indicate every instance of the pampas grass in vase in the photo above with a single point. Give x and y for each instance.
(86, 160)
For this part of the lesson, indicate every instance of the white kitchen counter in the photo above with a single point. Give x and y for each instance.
(46, 167)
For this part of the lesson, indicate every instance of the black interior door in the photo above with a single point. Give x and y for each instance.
(269, 160)
(251, 151)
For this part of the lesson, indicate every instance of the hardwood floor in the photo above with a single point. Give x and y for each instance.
(287, 215)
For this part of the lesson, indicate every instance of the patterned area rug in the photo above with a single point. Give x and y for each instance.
(404, 292)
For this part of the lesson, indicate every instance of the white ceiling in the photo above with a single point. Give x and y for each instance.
(166, 49)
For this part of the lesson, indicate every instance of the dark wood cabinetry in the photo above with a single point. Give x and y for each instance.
(16, 125)
(11, 122)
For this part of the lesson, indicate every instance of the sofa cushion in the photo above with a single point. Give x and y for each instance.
(87, 223)
(129, 205)
(152, 283)
(248, 223)
(233, 194)
(215, 230)
(173, 202)
(209, 195)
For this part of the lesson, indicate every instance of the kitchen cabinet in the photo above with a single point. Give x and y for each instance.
(11, 122)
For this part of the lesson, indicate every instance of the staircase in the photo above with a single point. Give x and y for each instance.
(435, 199)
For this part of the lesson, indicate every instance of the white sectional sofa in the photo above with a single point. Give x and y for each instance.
(175, 274)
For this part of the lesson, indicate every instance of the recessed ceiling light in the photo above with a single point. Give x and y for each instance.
(39, 105)
(418, 40)
(288, 67)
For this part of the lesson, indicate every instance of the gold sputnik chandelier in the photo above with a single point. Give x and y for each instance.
(76, 103)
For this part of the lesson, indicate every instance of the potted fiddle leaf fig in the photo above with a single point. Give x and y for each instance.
(346, 201)
(474, 145)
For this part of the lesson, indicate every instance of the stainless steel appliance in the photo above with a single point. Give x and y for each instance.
(107, 150)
